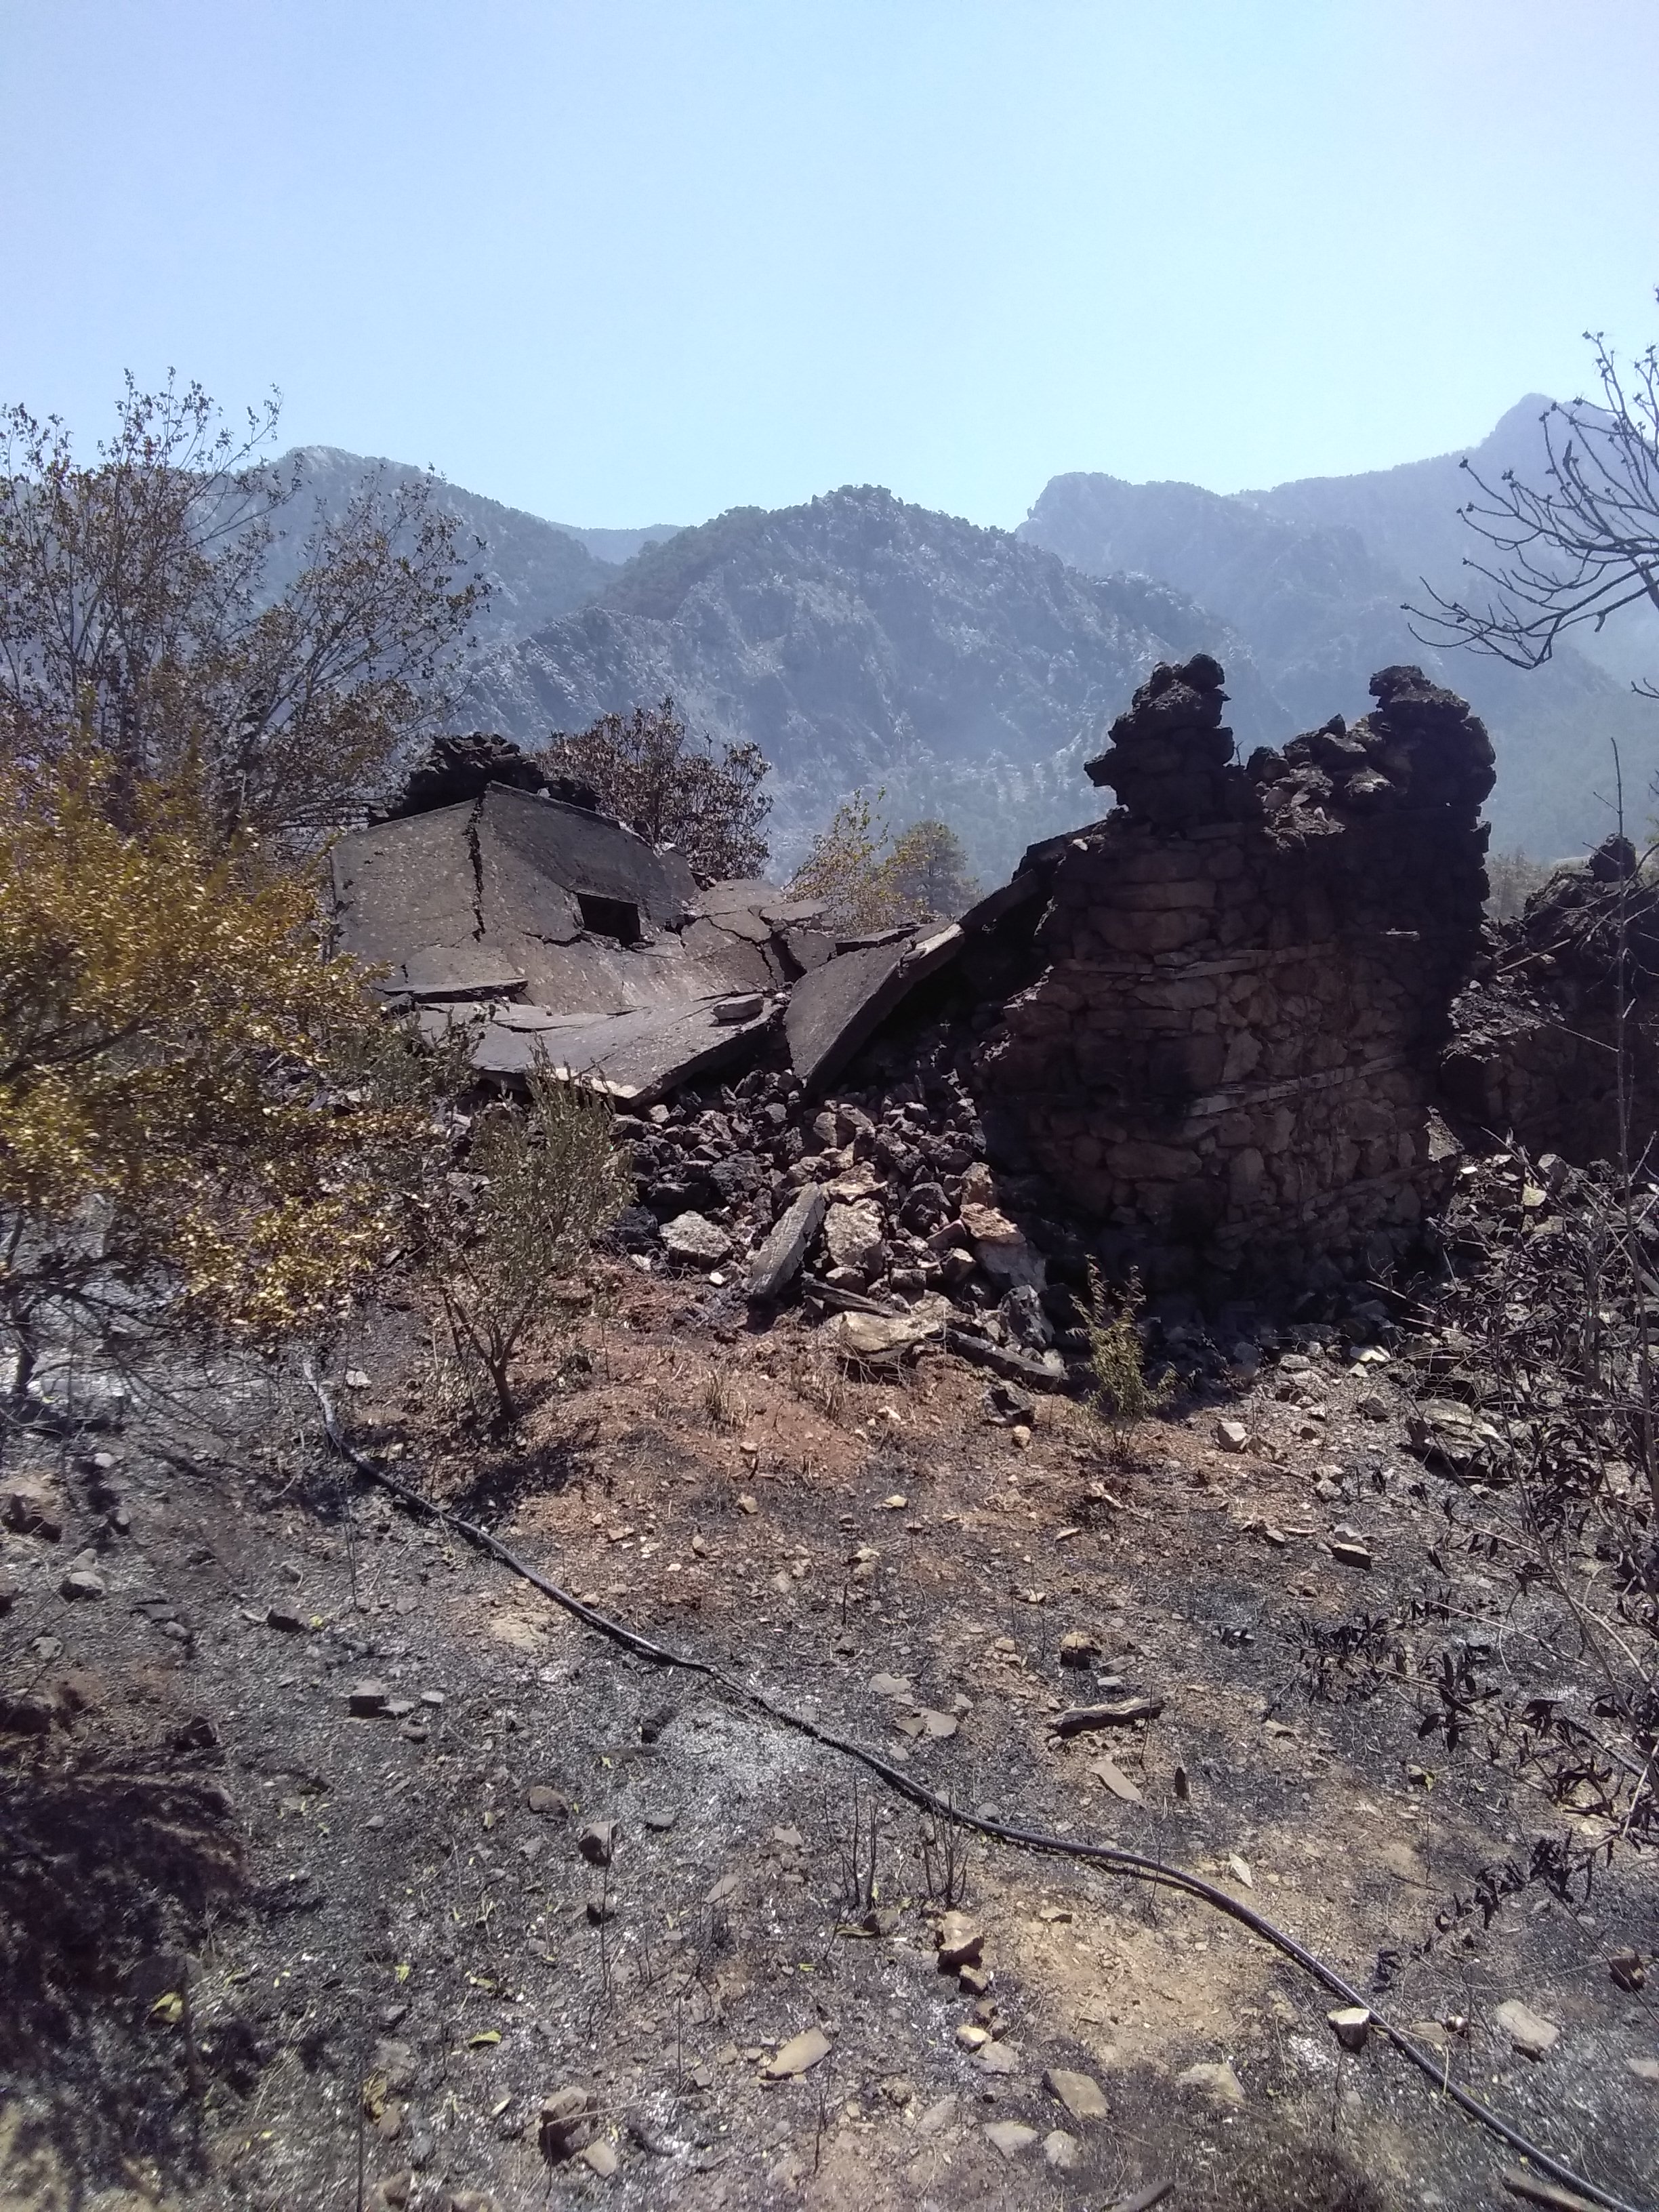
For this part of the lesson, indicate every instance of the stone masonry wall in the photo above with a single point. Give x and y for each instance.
(1230, 1056)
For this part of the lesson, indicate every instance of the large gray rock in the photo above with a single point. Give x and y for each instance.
(852, 1235)
(693, 1236)
(780, 1259)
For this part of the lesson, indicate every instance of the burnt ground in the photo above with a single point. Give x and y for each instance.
(261, 1952)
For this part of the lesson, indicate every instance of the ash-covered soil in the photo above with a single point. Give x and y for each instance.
(262, 1949)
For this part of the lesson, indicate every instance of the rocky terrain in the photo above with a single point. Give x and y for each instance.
(860, 642)
(830, 1750)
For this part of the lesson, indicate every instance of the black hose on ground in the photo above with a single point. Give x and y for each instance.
(1111, 1855)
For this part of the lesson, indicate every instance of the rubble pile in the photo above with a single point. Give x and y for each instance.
(1208, 1037)
(1230, 1056)
(879, 1201)
(1535, 1051)
(461, 766)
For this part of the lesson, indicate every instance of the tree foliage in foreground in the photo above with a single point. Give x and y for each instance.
(204, 1123)
(647, 770)
(871, 880)
(208, 1130)
(137, 608)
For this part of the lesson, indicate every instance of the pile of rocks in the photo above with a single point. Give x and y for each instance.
(1534, 1054)
(1168, 755)
(458, 767)
(880, 1198)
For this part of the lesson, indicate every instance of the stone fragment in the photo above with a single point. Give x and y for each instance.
(600, 2156)
(597, 1842)
(1231, 1435)
(1532, 2035)
(1001, 1248)
(31, 1506)
(779, 1261)
(285, 1618)
(878, 1336)
(1010, 2137)
(998, 2058)
(1080, 2093)
(1215, 2079)
(1078, 1647)
(1117, 1782)
(1644, 2069)
(1348, 1552)
(1628, 1969)
(566, 2121)
(960, 1942)
(972, 2037)
(938, 2117)
(798, 2056)
(890, 1686)
(82, 1582)
(369, 1699)
(552, 1804)
(852, 1235)
(1060, 2149)
(695, 1238)
(1120, 1712)
(1350, 2025)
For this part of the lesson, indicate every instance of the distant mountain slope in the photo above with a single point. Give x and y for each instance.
(1314, 576)
(1409, 518)
(539, 569)
(862, 641)
(616, 546)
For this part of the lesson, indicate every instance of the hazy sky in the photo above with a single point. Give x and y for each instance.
(625, 261)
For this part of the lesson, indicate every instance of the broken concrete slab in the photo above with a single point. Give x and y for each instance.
(809, 948)
(779, 1261)
(741, 964)
(837, 1008)
(589, 856)
(407, 884)
(639, 1055)
(474, 970)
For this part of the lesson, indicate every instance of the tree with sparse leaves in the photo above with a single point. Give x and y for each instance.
(206, 1125)
(1575, 547)
(647, 770)
(138, 613)
(930, 872)
(871, 880)
(544, 1179)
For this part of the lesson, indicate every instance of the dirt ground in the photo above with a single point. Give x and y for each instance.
(265, 1951)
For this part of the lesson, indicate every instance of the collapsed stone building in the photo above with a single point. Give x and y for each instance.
(1223, 1035)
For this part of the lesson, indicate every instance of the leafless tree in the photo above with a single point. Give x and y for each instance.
(138, 609)
(1575, 547)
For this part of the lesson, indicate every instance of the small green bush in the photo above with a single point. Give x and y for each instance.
(1121, 1394)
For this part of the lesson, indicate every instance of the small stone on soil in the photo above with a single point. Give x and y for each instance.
(1080, 2093)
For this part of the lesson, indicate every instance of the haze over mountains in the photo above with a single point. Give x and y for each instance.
(863, 642)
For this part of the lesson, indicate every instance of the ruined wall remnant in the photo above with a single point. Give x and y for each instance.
(1231, 1055)
(1537, 1042)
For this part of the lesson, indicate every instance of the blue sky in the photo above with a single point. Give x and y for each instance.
(625, 261)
